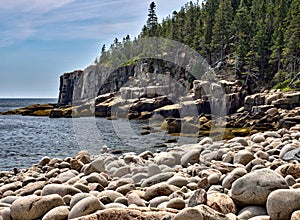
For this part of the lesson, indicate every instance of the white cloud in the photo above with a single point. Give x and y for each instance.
(70, 19)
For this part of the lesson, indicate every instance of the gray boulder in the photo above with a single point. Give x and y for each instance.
(254, 188)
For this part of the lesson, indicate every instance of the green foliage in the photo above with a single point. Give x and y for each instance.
(261, 37)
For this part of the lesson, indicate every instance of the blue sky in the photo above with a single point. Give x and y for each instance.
(41, 39)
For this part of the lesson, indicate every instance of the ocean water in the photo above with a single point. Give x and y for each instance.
(24, 140)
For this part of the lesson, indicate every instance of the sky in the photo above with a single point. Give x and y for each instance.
(42, 39)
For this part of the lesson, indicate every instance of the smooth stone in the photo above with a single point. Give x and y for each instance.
(176, 203)
(178, 181)
(286, 148)
(9, 199)
(292, 155)
(221, 203)
(159, 189)
(60, 189)
(190, 157)
(112, 195)
(282, 203)
(260, 217)
(206, 140)
(201, 212)
(158, 178)
(33, 207)
(85, 206)
(189, 214)
(77, 197)
(158, 200)
(58, 213)
(138, 177)
(197, 198)
(81, 187)
(165, 158)
(115, 205)
(65, 176)
(96, 165)
(96, 178)
(233, 176)
(254, 188)
(243, 157)
(122, 171)
(44, 161)
(134, 198)
(125, 188)
(10, 186)
(31, 188)
(257, 138)
(251, 211)
(290, 180)
(241, 140)
(121, 200)
(5, 214)
(289, 169)
(295, 215)
(153, 169)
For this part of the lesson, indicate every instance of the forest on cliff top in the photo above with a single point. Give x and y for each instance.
(257, 41)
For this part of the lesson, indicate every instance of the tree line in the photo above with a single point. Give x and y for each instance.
(258, 40)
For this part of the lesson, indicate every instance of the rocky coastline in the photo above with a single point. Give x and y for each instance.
(255, 177)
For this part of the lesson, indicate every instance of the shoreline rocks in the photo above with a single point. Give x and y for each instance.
(242, 178)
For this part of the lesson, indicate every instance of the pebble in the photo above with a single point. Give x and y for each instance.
(226, 180)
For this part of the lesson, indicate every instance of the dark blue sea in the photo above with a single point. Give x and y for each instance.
(24, 140)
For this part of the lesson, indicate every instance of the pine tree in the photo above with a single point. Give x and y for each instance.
(280, 12)
(209, 7)
(292, 38)
(222, 30)
(152, 21)
(241, 33)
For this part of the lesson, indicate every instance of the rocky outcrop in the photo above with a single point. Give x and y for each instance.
(97, 80)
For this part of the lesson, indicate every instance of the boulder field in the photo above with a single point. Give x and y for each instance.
(254, 177)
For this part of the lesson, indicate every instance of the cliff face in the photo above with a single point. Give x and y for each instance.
(96, 80)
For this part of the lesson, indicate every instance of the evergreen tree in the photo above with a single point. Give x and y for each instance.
(209, 7)
(152, 21)
(292, 38)
(222, 30)
(242, 33)
(280, 12)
